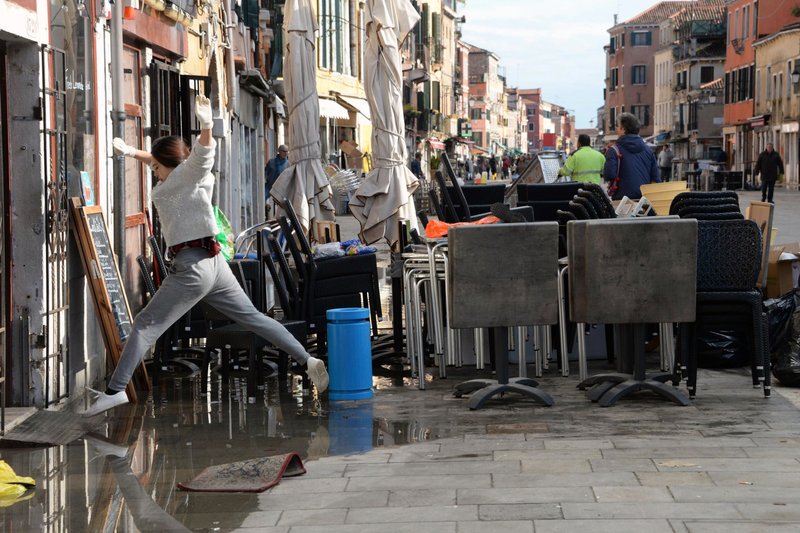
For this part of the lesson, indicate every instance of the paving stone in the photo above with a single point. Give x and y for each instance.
(758, 479)
(646, 510)
(741, 493)
(778, 442)
(510, 437)
(262, 529)
(209, 521)
(588, 479)
(770, 512)
(489, 445)
(419, 482)
(632, 494)
(506, 526)
(524, 495)
(622, 465)
(710, 442)
(326, 500)
(312, 517)
(668, 479)
(765, 452)
(413, 457)
(422, 497)
(602, 526)
(548, 466)
(577, 444)
(689, 464)
(524, 427)
(547, 455)
(412, 527)
(520, 511)
(689, 450)
(390, 515)
(432, 469)
(303, 486)
(739, 527)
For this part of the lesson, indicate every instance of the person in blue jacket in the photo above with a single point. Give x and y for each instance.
(630, 163)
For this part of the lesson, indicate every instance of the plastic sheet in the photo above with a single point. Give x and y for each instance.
(784, 338)
(437, 229)
(225, 236)
(722, 349)
(12, 486)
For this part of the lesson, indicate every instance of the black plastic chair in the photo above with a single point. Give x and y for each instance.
(587, 205)
(578, 210)
(706, 197)
(546, 198)
(601, 201)
(728, 262)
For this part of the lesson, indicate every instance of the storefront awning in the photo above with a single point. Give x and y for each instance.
(330, 109)
(359, 105)
(758, 121)
(435, 143)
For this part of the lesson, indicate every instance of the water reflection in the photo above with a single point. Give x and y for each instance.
(125, 479)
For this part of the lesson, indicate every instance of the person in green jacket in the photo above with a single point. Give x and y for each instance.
(585, 164)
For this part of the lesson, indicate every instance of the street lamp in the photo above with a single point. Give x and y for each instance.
(795, 76)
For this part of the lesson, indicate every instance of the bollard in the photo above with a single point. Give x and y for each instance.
(349, 354)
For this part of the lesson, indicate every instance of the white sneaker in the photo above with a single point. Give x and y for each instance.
(317, 373)
(104, 402)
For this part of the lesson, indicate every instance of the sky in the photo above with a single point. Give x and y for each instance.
(556, 45)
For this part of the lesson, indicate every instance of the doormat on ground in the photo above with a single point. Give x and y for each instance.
(51, 428)
(253, 475)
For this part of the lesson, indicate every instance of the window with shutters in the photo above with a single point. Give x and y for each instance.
(639, 74)
(706, 74)
(641, 38)
(642, 112)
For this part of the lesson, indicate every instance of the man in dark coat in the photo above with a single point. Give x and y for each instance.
(769, 165)
(630, 163)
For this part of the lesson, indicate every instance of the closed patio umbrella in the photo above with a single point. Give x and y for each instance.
(304, 182)
(386, 196)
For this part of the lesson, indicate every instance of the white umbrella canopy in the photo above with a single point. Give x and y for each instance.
(303, 183)
(386, 196)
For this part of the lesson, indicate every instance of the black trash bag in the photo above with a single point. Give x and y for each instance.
(722, 348)
(779, 315)
(786, 363)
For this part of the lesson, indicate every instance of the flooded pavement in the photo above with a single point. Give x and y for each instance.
(125, 479)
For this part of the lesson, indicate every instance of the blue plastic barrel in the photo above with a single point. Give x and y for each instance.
(349, 354)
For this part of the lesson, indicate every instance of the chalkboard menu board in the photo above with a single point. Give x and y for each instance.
(108, 290)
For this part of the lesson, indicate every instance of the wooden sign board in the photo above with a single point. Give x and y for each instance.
(108, 291)
(761, 213)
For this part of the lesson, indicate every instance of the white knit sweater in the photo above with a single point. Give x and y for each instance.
(183, 200)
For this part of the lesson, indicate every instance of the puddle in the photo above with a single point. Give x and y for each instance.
(177, 432)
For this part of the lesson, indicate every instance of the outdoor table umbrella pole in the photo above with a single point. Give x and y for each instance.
(303, 183)
(386, 195)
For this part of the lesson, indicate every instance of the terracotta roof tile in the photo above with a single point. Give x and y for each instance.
(658, 13)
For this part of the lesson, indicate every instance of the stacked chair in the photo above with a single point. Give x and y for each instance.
(728, 263)
(707, 206)
(547, 198)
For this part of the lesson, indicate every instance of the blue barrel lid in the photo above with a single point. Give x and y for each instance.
(348, 313)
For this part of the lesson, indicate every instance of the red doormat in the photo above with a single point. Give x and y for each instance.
(253, 475)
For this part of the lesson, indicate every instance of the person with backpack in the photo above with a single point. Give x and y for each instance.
(630, 163)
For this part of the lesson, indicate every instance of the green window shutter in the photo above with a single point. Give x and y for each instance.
(424, 24)
(623, 41)
(436, 24)
(435, 96)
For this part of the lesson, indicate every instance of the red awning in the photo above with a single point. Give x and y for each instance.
(435, 143)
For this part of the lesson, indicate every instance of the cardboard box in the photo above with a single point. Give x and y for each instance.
(784, 269)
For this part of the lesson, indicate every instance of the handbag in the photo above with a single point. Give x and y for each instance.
(613, 185)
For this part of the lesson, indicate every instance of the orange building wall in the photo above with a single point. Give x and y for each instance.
(739, 112)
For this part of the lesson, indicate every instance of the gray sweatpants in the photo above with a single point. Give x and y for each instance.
(195, 277)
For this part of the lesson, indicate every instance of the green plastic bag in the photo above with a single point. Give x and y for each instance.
(225, 235)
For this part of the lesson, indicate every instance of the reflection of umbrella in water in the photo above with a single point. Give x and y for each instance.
(304, 182)
(386, 196)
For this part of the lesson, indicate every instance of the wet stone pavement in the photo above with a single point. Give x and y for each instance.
(411, 460)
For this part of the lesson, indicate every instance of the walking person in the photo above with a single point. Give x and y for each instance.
(274, 168)
(665, 163)
(770, 165)
(630, 163)
(585, 164)
(416, 166)
(200, 272)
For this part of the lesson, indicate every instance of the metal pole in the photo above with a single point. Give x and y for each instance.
(118, 130)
